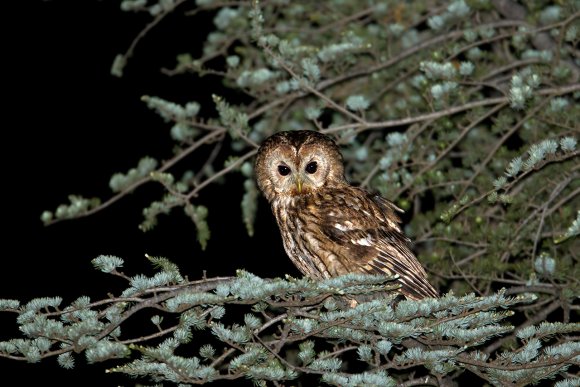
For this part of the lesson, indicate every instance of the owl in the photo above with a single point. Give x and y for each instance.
(329, 227)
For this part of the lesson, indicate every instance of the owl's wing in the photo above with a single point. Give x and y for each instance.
(366, 235)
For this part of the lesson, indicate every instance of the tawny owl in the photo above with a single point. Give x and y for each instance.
(329, 227)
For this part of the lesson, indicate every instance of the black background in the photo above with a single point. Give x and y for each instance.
(68, 126)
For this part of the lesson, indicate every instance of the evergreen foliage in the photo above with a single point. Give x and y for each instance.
(465, 113)
(291, 328)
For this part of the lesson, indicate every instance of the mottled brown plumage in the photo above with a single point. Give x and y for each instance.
(329, 227)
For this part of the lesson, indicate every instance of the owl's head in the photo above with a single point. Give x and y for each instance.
(297, 163)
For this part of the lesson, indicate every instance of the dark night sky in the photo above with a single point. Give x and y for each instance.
(69, 126)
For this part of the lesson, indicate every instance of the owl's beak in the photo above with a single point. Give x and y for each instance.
(298, 182)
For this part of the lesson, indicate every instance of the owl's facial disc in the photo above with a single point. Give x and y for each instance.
(294, 164)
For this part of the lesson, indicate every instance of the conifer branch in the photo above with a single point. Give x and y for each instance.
(201, 303)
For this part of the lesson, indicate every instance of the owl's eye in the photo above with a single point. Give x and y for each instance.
(311, 167)
(283, 170)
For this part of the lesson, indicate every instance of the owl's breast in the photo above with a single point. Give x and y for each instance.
(301, 220)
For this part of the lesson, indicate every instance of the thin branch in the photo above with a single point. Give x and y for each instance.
(450, 240)
(424, 381)
(509, 66)
(168, 164)
(220, 359)
(471, 284)
(346, 20)
(450, 36)
(444, 153)
(565, 199)
(129, 53)
(517, 234)
(449, 111)
(219, 174)
(155, 335)
(498, 144)
(419, 118)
